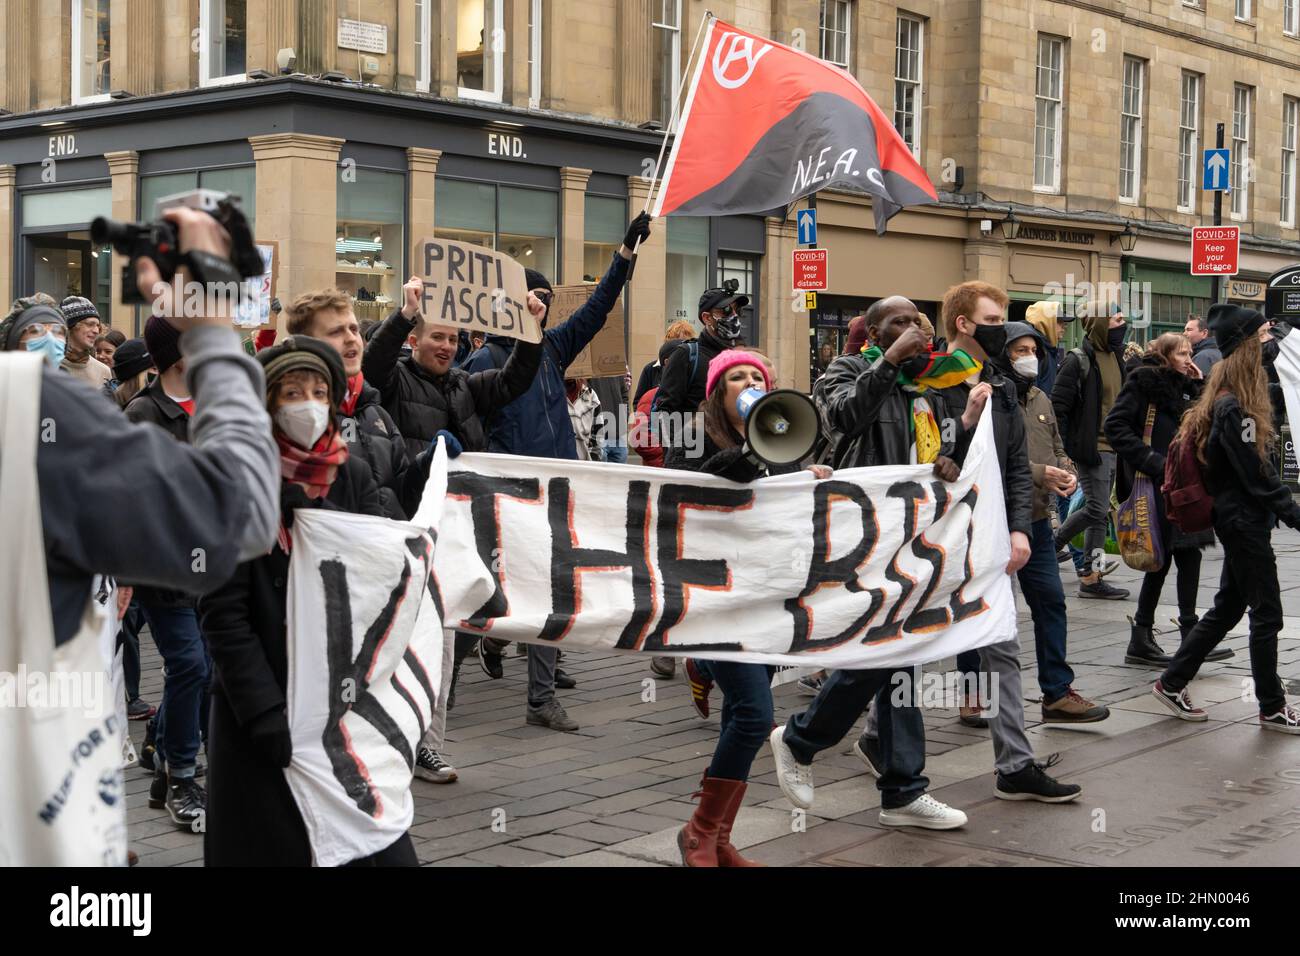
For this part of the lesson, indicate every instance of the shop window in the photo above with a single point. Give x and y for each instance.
(907, 82)
(604, 224)
(240, 181)
(744, 269)
(223, 41)
(666, 78)
(836, 31)
(63, 262)
(1048, 103)
(480, 47)
(91, 49)
(369, 241)
(519, 222)
(687, 268)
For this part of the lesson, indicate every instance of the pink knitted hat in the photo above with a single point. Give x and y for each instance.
(730, 359)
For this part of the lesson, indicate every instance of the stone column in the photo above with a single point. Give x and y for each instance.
(50, 49)
(422, 167)
(986, 261)
(19, 43)
(649, 289)
(516, 79)
(124, 168)
(272, 25)
(443, 68)
(784, 330)
(573, 216)
(179, 64)
(318, 36)
(636, 46)
(8, 213)
(297, 205)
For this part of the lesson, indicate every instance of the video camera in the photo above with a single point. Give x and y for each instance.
(158, 241)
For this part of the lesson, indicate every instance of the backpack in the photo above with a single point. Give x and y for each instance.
(1188, 504)
(693, 347)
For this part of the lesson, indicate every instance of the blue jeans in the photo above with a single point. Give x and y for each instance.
(615, 453)
(1040, 583)
(843, 699)
(746, 715)
(1063, 512)
(183, 708)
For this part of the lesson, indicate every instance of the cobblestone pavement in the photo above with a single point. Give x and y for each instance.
(615, 793)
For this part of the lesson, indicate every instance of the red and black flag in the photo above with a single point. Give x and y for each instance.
(765, 124)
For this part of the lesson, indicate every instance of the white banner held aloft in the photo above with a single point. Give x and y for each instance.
(1288, 374)
(365, 658)
(876, 567)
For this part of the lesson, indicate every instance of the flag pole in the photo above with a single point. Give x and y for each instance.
(673, 120)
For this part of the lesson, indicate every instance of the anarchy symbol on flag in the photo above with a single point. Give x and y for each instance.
(739, 48)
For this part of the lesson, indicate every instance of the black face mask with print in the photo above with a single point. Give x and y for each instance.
(727, 327)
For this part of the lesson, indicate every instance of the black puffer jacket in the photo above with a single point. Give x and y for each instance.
(868, 409)
(1012, 445)
(374, 438)
(422, 403)
(1171, 392)
(1248, 495)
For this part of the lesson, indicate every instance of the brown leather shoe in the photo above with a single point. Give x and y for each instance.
(698, 840)
(728, 855)
(1073, 709)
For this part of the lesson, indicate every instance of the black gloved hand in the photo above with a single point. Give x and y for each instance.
(292, 496)
(269, 733)
(638, 228)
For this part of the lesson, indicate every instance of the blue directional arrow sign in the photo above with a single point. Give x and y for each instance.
(1218, 162)
(807, 227)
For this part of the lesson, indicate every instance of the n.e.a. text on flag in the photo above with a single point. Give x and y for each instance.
(765, 124)
(874, 567)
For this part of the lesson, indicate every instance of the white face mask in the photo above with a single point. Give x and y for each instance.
(303, 422)
(1026, 366)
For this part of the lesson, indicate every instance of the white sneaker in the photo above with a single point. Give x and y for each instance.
(796, 779)
(925, 812)
(1286, 720)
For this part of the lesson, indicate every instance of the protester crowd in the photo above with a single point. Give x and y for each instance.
(210, 448)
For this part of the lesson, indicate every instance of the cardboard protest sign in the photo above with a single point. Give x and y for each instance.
(257, 292)
(474, 288)
(875, 567)
(605, 354)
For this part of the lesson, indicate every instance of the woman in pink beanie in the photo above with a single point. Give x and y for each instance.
(746, 688)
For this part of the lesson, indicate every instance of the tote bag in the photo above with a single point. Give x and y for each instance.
(1138, 523)
(60, 737)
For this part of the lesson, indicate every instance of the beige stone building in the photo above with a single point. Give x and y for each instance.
(354, 127)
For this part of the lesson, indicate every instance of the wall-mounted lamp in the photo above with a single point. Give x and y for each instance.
(1011, 227)
(1128, 239)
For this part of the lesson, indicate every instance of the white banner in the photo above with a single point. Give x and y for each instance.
(1288, 373)
(876, 567)
(365, 658)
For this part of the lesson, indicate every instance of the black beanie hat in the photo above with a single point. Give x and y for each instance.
(130, 359)
(163, 341)
(536, 280)
(304, 352)
(1231, 325)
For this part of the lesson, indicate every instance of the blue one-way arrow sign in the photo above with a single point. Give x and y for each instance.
(807, 227)
(1217, 164)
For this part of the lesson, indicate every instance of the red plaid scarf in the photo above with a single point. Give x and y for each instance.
(315, 468)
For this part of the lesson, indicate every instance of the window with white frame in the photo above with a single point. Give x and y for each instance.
(223, 41)
(423, 51)
(1291, 17)
(1047, 114)
(534, 53)
(1290, 120)
(480, 49)
(908, 62)
(1241, 165)
(1243, 9)
(667, 70)
(1130, 131)
(1189, 140)
(836, 20)
(91, 49)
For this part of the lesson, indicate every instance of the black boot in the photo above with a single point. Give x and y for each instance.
(1185, 625)
(1143, 649)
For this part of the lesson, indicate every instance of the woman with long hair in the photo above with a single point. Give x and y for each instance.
(1163, 387)
(1231, 430)
(746, 688)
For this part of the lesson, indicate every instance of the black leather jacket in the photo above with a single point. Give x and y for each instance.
(1248, 494)
(865, 405)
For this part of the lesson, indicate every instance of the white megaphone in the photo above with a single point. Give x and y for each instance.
(781, 427)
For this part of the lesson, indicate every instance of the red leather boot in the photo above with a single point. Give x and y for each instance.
(698, 840)
(728, 855)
